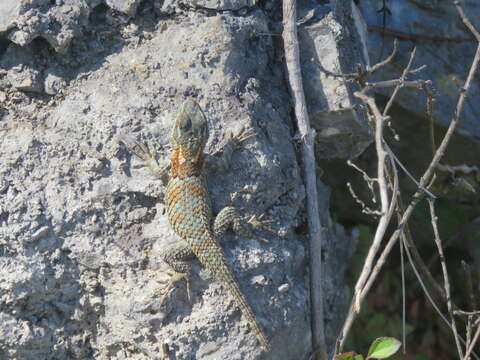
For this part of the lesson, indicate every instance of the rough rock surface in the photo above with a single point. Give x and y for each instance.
(327, 44)
(58, 24)
(81, 227)
(128, 7)
(9, 10)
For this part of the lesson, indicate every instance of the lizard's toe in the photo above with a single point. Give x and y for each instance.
(175, 277)
(243, 135)
(258, 222)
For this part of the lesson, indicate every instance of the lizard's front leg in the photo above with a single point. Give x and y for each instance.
(221, 157)
(149, 159)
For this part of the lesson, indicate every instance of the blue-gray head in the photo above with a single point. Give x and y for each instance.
(190, 132)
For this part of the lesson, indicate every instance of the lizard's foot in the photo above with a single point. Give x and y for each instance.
(149, 158)
(176, 255)
(233, 141)
(174, 278)
(260, 223)
(221, 158)
(243, 135)
(143, 152)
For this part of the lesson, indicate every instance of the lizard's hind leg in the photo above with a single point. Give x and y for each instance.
(176, 255)
(228, 217)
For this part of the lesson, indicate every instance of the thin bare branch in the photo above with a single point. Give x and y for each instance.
(360, 75)
(441, 149)
(472, 343)
(466, 20)
(401, 82)
(416, 84)
(384, 198)
(370, 182)
(387, 208)
(464, 169)
(467, 313)
(387, 60)
(365, 208)
(419, 194)
(432, 302)
(438, 241)
(307, 135)
(468, 339)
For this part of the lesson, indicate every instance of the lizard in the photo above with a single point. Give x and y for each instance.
(189, 210)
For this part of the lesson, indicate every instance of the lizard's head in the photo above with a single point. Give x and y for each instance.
(190, 133)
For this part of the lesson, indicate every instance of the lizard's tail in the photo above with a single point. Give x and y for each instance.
(231, 283)
(223, 273)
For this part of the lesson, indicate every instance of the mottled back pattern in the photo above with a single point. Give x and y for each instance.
(188, 207)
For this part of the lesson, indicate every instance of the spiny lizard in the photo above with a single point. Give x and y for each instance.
(189, 209)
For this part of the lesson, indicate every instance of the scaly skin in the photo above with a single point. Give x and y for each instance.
(189, 210)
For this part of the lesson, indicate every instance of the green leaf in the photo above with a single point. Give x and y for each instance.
(352, 355)
(383, 348)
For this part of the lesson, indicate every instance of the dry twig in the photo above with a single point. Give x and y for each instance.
(307, 135)
(472, 343)
(448, 294)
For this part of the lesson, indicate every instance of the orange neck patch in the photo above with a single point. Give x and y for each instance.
(183, 168)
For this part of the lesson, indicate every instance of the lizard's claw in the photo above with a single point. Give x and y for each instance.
(148, 157)
(235, 140)
(243, 135)
(174, 278)
(258, 222)
(141, 151)
(231, 143)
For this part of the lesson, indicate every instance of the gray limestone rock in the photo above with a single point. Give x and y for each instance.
(25, 79)
(58, 24)
(23, 73)
(53, 84)
(81, 226)
(326, 44)
(223, 5)
(128, 7)
(9, 12)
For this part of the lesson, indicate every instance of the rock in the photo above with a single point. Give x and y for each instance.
(9, 11)
(57, 24)
(223, 5)
(25, 79)
(22, 71)
(68, 181)
(128, 7)
(166, 7)
(324, 43)
(53, 84)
